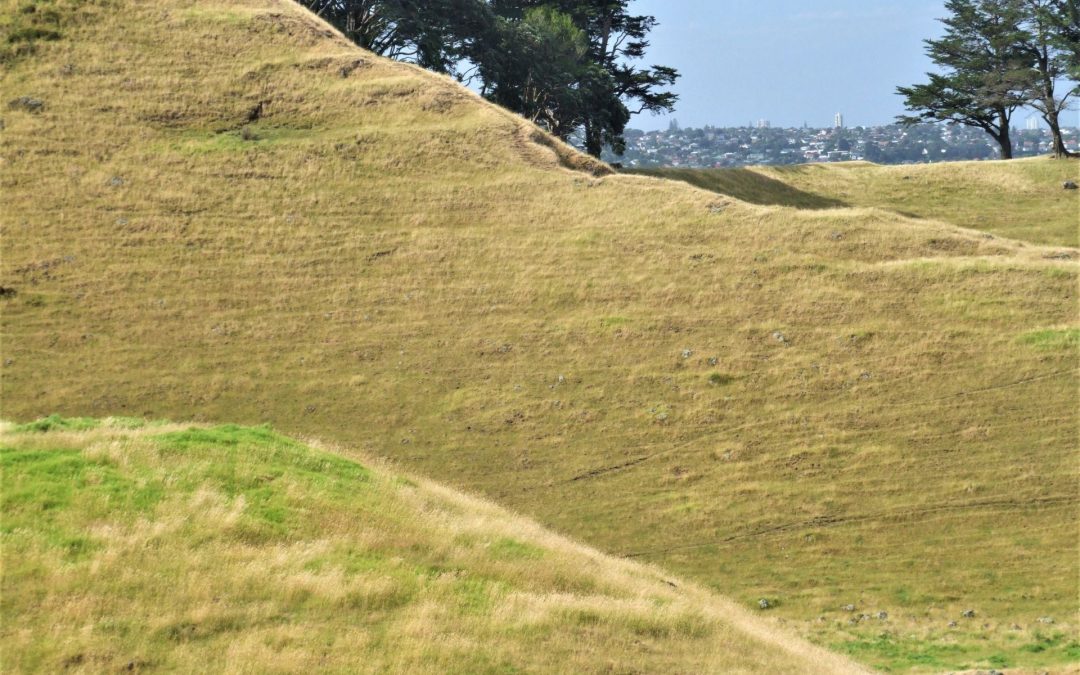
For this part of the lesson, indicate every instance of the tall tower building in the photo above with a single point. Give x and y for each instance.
(838, 121)
(1033, 123)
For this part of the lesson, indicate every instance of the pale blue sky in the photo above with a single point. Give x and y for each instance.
(790, 61)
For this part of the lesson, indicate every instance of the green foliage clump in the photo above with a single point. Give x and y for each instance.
(720, 379)
(32, 22)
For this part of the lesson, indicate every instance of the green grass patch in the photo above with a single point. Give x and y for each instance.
(250, 138)
(894, 654)
(1053, 338)
(512, 549)
(59, 423)
(224, 436)
(721, 379)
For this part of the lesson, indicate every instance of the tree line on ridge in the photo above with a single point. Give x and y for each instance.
(572, 66)
(568, 65)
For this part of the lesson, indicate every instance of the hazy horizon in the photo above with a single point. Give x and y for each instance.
(780, 61)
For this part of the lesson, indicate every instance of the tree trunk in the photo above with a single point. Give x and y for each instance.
(1060, 151)
(594, 139)
(1051, 107)
(1002, 136)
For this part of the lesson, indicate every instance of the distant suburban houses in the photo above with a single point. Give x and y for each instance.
(761, 143)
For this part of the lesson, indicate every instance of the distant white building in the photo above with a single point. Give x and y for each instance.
(1033, 123)
(838, 121)
(763, 124)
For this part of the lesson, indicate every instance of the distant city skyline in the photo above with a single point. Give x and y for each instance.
(777, 60)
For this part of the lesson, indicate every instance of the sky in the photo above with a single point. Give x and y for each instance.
(790, 61)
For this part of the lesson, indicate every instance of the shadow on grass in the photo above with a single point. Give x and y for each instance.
(746, 185)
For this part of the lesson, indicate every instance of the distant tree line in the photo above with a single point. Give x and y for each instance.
(568, 65)
(997, 56)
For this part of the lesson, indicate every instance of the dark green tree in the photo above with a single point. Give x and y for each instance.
(569, 65)
(1051, 39)
(539, 68)
(436, 34)
(1067, 34)
(617, 40)
(987, 74)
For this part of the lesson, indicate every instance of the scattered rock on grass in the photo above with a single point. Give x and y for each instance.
(28, 103)
(1070, 185)
(764, 603)
(968, 614)
(848, 608)
(1046, 619)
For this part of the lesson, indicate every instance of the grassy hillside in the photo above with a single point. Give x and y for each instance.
(234, 549)
(1021, 199)
(224, 212)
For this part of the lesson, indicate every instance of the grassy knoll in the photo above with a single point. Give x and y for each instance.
(824, 407)
(1021, 199)
(235, 549)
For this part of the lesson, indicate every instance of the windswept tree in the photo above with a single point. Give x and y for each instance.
(1051, 38)
(987, 74)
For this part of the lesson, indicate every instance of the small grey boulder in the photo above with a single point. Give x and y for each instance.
(27, 103)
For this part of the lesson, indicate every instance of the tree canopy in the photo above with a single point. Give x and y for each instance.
(571, 66)
(997, 56)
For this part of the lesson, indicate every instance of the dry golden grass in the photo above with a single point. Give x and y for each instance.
(820, 407)
(232, 549)
(1021, 199)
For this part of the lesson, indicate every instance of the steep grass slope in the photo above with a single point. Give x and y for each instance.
(233, 549)
(1022, 199)
(224, 212)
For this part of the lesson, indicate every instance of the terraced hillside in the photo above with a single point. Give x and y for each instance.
(232, 549)
(1022, 199)
(224, 212)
